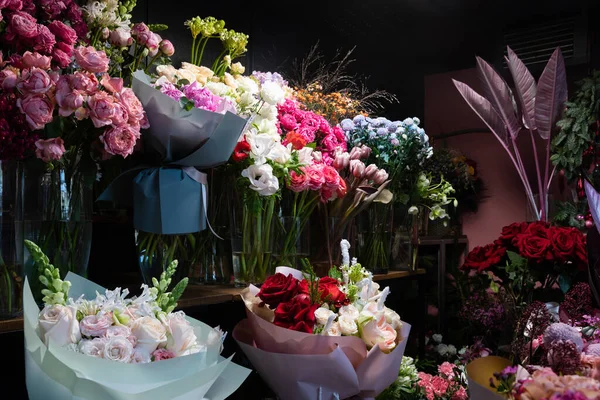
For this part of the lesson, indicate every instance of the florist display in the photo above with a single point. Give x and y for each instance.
(98, 327)
(317, 327)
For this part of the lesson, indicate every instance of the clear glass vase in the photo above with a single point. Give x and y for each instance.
(58, 218)
(216, 257)
(293, 241)
(405, 243)
(11, 244)
(374, 228)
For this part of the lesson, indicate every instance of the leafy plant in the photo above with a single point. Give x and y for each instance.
(534, 107)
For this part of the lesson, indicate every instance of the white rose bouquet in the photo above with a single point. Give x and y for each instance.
(79, 347)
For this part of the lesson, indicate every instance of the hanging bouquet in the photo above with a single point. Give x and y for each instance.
(336, 323)
(86, 334)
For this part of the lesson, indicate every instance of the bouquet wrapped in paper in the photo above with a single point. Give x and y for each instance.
(327, 338)
(99, 344)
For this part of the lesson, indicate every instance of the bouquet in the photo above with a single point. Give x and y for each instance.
(337, 323)
(102, 337)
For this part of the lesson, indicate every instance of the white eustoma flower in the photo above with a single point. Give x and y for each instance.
(262, 179)
(305, 156)
(247, 100)
(269, 112)
(260, 146)
(266, 127)
(272, 93)
(246, 84)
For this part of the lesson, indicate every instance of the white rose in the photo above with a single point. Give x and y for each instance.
(94, 347)
(246, 84)
(272, 93)
(119, 349)
(451, 350)
(349, 311)
(180, 334)
(269, 112)
(262, 179)
(201, 74)
(167, 72)
(150, 333)
(348, 325)
(186, 74)
(442, 349)
(260, 146)
(393, 319)
(59, 324)
(378, 332)
(317, 156)
(334, 330)
(305, 156)
(437, 338)
(140, 356)
(322, 315)
(280, 154)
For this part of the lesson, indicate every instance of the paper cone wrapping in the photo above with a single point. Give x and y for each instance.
(54, 372)
(303, 366)
(479, 373)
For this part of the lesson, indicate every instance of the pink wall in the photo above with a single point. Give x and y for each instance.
(445, 112)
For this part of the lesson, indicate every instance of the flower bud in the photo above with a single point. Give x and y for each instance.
(365, 151)
(355, 153)
(342, 160)
(380, 177)
(105, 33)
(370, 171)
(166, 47)
(357, 168)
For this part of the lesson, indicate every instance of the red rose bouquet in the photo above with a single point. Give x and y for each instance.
(337, 324)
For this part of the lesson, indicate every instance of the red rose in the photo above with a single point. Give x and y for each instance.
(563, 244)
(297, 314)
(534, 248)
(240, 153)
(512, 230)
(278, 288)
(539, 229)
(482, 258)
(581, 254)
(329, 291)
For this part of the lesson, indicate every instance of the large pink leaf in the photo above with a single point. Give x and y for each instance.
(483, 108)
(593, 198)
(551, 94)
(525, 87)
(496, 90)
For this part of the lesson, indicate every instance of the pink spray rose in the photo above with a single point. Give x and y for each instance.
(113, 85)
(332, 177)
(121, 37)
(63, 32)
(37, 109)
(23, 24)
(68, 100)
(49, 149)
(36, 60)
(84, 82)
(8, 79)
(298, 182)
(44, 40)
(119, 140)
(315, 176)
(34, 81)
(91, 60)
(95, 325)
(102, 109)
(60, 57)
(162, 354)
(167, 48)
(132, 104)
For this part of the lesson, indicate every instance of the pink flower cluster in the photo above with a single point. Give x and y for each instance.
(39, 26)
(353, 166)
(446, 385)
(199, 95)
(318, 177)
(310, 127)
(144, 37)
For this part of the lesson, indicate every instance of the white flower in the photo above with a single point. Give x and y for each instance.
(318, 157)
(413, 210)
(166, 72)
(393, 319)
(272, 93)
(269, 112)
(94, 347)
(305, 156)
(322, 315)
(150, 333)
(348, 325)
(349, 311)
(181, 338)
(260, 147)
(262, 179)
(118, 349)
(371, 309)
(216, 337)
(379, 332)
(59, 324)
(246, 84)
(334, 330)
(237, 68)
(140, 356)
(280, 154)
(266, 127)
(442, 349)
(229, 80)
(247, 100)
(437, 338)
(218, 88)
(451, 350)
(370, 290)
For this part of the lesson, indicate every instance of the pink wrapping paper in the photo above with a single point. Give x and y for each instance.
(303, 366)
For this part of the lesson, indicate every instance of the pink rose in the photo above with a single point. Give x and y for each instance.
(113, 85)
(44, 40)
(379, 332)
(34, 81)
(60, 58)
(315, 176)
(23, 24)
(36, 60)
(119, 140)
(167, 48)
(49, 149)
(37, 109)
(102, 109)
(68, 49)
(120, 330)
(357, 168)
(288, 122)
(298, 182)
(332, 177)
(95, 325)
(144, 123)
(91, 60)
(162, 354)
(8, 79)
(121, 37)
(132, 104)
(120, 116)
(63, 32)
(82, 113)
(68, 99)
(84, 82)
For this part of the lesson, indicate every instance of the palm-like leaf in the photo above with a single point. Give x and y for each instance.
(525, 88)
(551, 95)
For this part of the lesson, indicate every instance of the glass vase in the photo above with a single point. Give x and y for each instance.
(293, 242)
(252, 220)
(216, 257)
(11, 245)
(58, 218)
(406, 239)
(375, 227)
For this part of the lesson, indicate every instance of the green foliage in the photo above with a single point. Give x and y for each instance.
(404, 388)
(167, 301)
(567, 212)
(158, 27)
(311, 278)
(335, 273)
(57, 290)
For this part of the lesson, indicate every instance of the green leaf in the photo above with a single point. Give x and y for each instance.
(335, 273)
(158, 27)
(494, 287)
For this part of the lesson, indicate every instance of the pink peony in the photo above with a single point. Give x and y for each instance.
(113, 85)
(91, 60)
(37, 109)
(23, 24)
(439, 385)
(119, 140)
(288, 122)
(121, 37)
(102, 109)
(95, 325)
(339, 134)
(162, 354)
(63, 32)
(324, 126)
(330, 143)
(311, 123)
(50, 149)
(307, 132)
(298, 182)
(139, 28)
(34, 81)
(314, 173)
(44, 40)
(8, 79)
(167, 48)
(171, 90)
(36, 60)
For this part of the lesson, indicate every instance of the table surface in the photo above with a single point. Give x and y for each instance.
(203, 295)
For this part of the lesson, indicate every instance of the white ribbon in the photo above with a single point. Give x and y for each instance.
(200, 177)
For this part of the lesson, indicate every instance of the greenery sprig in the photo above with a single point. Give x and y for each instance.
(167, 301)
(313, 281)
(57, 290)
